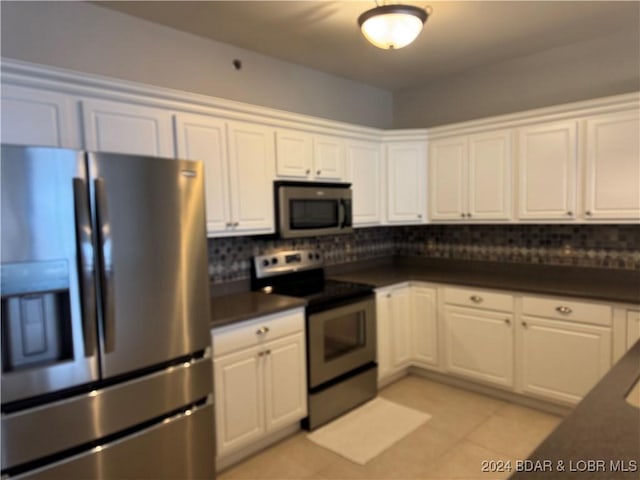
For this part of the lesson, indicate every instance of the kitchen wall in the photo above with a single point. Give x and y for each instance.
(600, 67)
(604, 246)
(87, 38)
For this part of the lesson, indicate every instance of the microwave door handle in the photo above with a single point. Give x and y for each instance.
(106, 265)
(341, 214)
(86, 264)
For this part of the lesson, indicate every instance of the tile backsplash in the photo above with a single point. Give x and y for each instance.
(605, 246)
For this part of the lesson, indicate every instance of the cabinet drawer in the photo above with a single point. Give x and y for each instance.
(255, 332)
(469, 297)
(563, 309)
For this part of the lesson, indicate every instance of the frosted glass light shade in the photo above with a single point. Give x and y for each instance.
(392, 26)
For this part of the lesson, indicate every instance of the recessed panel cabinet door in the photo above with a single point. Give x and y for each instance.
(238, 380)
(204, 138)
(547, 171)
(448, 179)
(119, 127)
(424, 331)
(364, 162)
(251, 175)
(38, 118)
(329, 157)
(406, 182)
(294, 154)
(613, 167)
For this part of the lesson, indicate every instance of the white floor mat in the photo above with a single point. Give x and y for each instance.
(368, 430)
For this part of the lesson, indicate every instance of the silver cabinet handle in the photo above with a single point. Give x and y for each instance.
(262, 330)
(462, 215)
(525, 324)
(308, 171)
(588, 213)
(388, 295)
(236, 224)
(229, 224)
(563, 310)
(419, 215)
(318, 172)
(468, 215)
(507, 321)
(569, 213)
(475, 299)
(266, 352)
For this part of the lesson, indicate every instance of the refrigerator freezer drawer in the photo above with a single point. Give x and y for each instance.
(179, 448)
(27, 435)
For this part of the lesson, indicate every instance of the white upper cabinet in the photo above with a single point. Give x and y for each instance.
(118, 127)
(447, 182)
(470, 177)
(239, 171)
(204, 138)
(305, 156)
(38, 117)
(547, 171)
(612, 175)
(490, 176)
(406, 182)
(365, 169)
(251, 175)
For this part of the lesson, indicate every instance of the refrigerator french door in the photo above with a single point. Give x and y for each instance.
(106, 368)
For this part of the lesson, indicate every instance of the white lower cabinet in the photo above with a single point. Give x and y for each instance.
(479, 341)
(633, 327)
(424, 326)
(259, 378)
(562, 358)
(393, 312)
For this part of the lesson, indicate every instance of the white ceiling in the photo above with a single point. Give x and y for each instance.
(324, 35)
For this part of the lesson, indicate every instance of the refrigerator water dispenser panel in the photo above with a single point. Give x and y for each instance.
(36, 314)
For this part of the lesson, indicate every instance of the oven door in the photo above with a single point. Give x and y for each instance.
(313, 209)
(340, 340)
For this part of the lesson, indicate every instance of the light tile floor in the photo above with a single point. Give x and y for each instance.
(465, 430)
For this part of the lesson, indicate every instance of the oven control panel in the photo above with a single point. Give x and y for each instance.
(290, 261)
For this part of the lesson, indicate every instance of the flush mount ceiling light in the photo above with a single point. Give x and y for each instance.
(392, 26)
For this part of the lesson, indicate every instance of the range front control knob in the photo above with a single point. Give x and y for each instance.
(274, 261)
(265, 263)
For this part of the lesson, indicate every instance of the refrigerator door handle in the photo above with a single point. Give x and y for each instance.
(106, 263)
(86, 270)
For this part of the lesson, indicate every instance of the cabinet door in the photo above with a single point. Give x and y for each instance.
(285, 381)
(365, 166)
(547, 171)
(633, 327)
(447, 179)
(329, 158)
(406, 182)
(118, 127)
(479, 344)
(203, 138)
(38, 117)
(239, 387)
(562, 360)
(294, 154)
(251, 174)
(424, 329)
(490, 160)
(613, 167)
(383, 320)
(400, 327)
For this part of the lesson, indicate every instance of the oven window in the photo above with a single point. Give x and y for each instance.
(343, 335)
(309, 214)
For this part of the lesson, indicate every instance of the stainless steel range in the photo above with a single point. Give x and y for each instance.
(340, 326)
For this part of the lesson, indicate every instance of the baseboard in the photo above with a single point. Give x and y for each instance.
(513, 397)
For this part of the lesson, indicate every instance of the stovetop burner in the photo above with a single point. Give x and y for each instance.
(300, 274)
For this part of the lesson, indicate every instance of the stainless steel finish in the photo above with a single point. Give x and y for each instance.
(80, 419)
(564, 310)
(105, 248)
(37, 199)
(340, 193)
(154, 213)
(321, 370)
(337, 399)
(177, 448)
(86, 263)
(286, 262)
(476, 299)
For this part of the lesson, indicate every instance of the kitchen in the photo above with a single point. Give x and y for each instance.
(401, 226)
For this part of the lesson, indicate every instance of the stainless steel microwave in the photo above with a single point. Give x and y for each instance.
(305, 209)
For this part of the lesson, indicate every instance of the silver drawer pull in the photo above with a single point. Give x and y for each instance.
(262, 330)
(507, 321)
(564, 310)
(475, 299)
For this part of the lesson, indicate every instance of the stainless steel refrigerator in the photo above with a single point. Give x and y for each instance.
(106, 364)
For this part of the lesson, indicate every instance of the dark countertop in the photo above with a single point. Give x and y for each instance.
(245, 306)
(594, 283)
(603, 426)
